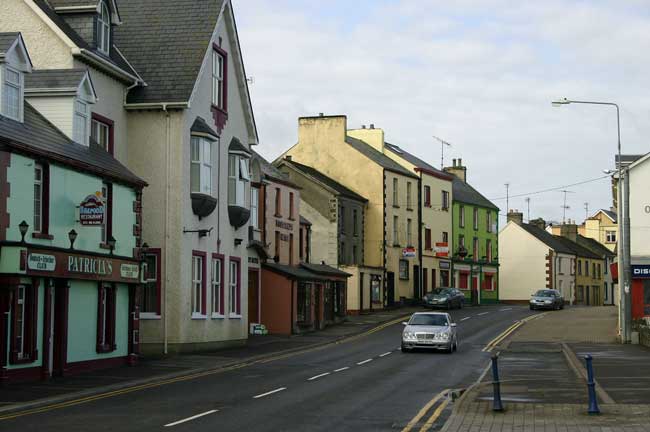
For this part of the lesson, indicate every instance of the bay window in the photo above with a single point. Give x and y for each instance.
(201, 165)
(237, 178)
(234, 285)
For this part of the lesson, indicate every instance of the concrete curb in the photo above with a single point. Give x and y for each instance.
(576, 366)
(106, 391)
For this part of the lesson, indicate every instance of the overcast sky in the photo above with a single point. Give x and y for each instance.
(479, 74)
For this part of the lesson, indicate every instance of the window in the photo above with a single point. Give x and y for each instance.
(104, 29)
(403, 269)
(586, 268)
(218, 79)
(12, 94)
(427, 239)
(409, 239)
(610, 236)
(237, 179)
(255, 198)
(217, 285)
(303, 300)
(150, 293)
(445, 203)
(572, 266)
(408, 195)
(579, 267)
(395, 193)
(475, 249)
(38, 197)
(80, 123)
(488, 250)
(101, 131)
(488, 221)
(355, 221)
(106, 317)
(593, 270)
(445, 237)
(342, 218)
(198, 284)
(427, 196)
(461, 216)
(201, 166)
(606, 265)
(24, 324)
(278, 202)
(559, 265)
(354, 254)
(291, 249)
(461, 241)
(301, 243)
(599, 271)
(475, 218)
(291, 208)
(342, 254)
(395, 232)
(234, 283)
(277, 245)
(107, 226)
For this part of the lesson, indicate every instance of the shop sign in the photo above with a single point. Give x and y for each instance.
(442, 249)
(41, 262)
(408, 252)
(445, 264)
(91, 210)
(129, 271)
(284, 225)
(641, 271)
(95, 266)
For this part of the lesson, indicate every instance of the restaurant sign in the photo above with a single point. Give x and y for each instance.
(92, 210)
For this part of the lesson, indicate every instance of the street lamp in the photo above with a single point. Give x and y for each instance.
(111, 243)
(72, 236)
(23, 227)
(623, 207)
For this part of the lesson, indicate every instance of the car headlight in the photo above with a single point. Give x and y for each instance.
(547, 301)
(409, 335)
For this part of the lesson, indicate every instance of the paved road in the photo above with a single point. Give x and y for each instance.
(362, 385)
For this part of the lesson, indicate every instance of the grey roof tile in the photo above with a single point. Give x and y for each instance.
(411, 158)
(547, 238)
(201, 126)
(577, 249)
(236, 145)
(612, 215)
(333, 184)
(293, 272)
(7, 40)
(304, 220)
(465, 193)
(69, 3)
(324, 269)
(37, 135)
(594, 246)
(54, 78)
(270, 171)
(378, 157)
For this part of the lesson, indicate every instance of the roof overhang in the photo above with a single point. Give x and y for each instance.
(19, 50)
(439, 175)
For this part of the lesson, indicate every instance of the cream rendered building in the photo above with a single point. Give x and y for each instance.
(356, 159)
(603, 227)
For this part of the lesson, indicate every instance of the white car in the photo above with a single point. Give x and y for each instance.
(431, 330)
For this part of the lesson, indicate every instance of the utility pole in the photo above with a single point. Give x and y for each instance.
(507, 185)
(443, 143)
(528, 208)
(586, 210)
(564, 206)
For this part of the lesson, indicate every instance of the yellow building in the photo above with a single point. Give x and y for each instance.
(603, 227)
(356, 159)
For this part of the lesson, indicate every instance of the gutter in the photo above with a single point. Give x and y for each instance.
(165, 237)
(156, 105)
(104, 64)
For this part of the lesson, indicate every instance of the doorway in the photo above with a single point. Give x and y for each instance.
(390, 289)
(475, 299)
(59, 328)
(253, 296)
(416, 283)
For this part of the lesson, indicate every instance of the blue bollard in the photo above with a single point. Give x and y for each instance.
(591, 385)
(497, 405)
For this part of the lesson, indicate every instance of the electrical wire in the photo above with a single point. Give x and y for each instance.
(552, 189)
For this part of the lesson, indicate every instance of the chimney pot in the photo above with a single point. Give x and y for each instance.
(460, 162)
(363, 126)
(372, 125)
(321, 114)
(515, 217)
(453, 162)
(288, 157)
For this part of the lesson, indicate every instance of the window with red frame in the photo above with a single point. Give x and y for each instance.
(101, 132)
(198, 284)
(488, 283)
(427, 196)
(106, 300)
(217, 285)
(234, 285)
(462, 280)
(290, 205)
(24, 314)
(427, 239)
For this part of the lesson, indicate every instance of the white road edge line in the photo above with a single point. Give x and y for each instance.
(318, 376)
(505, 309)
(191, 418)
(269, 393)
(385, 354)
(342, 369)
(483, 313)
(466, 318)
(364, 362)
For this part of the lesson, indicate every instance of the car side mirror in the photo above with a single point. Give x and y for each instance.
(453, 324)
(404, 323)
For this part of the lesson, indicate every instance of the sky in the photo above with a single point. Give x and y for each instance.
(479, 74)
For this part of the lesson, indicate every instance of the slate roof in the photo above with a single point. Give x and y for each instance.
(378, 157)
(6, 41)
(329, 182)
(269, 171)
(465, 193)
(38, 136)
(595, 246)
(114, 57)
(411, 158)
(554, 242)
(577, 249)
(293, 272)
(324, 269)
(68, 3)
(304, 220)
(236, 145)
(611, 214)
(166, 42)
(54, 79)
(201, 126)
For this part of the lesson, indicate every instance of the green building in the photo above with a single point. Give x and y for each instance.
(475, 233)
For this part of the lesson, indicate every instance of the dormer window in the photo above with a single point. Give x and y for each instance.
(12, 93)
(80, 122)
(14, 64)
(104, 29)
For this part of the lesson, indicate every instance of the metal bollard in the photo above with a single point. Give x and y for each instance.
(591, 386)
(496, 384)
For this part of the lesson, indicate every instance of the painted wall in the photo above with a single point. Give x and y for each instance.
(288, 254)
(469, 232)
(597, 227)
(640, 213)
(276, 298)
(350, 239)
(323, 235)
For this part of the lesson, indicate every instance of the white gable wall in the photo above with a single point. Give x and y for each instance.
(522, 260)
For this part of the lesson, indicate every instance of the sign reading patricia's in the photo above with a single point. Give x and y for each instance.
(41, 262)
(641, 271)
(91, 210)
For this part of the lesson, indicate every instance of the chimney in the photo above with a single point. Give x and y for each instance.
(372, 125)
(516, 216)
(569, 230)
(317, 133)
(288, 157)
(539, 223)
(321, 115)
(363, 126)
(371, 135)
(458, 169)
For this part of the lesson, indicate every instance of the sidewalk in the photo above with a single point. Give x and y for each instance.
(543, 383)
(19, 396)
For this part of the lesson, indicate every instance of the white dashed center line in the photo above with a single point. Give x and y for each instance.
(318, 376)
(364, 362)
(483, 313)
(191, 418)
(466, 318)
(385, 354)
(269, 393)
(505, 309)
(342, 369)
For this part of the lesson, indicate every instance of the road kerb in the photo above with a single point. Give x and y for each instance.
(576, 366)
(424, 410)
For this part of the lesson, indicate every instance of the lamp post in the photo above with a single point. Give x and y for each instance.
(23, 227)
(623, 209)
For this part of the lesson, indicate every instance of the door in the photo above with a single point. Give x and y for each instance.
(253, 296)
(433, 278)
(390, 289)
(50, 344)
(425, 282)
(416, 282)
(60, 327)
(474, 290)
(317, 305)
(329, 302)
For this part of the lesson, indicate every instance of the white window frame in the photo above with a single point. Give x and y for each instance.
(233, 274)
(38, 182)
(217, 299)
(610, 236)
(255, 199)
(238, 177)
(197, 287)
(204, 152)
(395, 230)
(19, 87)
(99, 129)
(146, 281)
(461, 216)
(475, 218)
(104, 29)
(80, 123)
(218, 63)
(488, 216)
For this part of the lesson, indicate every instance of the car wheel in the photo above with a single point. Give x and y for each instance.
(532, 307)
(456, 345)
(405, 350)
(450, 349)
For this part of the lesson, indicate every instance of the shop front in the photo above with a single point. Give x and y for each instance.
(640, 291)
(65, 311)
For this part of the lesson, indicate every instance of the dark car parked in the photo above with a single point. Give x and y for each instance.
(546, 299)
(444, 297)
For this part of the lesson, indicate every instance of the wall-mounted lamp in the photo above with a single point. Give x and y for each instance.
(238, 241)
(144, 249)
(23, 227)
(72, 236)
(111, 243)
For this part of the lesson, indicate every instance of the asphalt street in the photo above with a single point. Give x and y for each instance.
(365, 384)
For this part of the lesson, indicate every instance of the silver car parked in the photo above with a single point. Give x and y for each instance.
(431, 330)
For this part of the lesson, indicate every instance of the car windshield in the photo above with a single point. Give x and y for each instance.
(429, 320)
(441, 291)
(544, 293)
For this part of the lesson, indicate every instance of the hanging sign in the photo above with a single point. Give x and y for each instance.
(442, 249)
(91, 210)
(408, 252)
